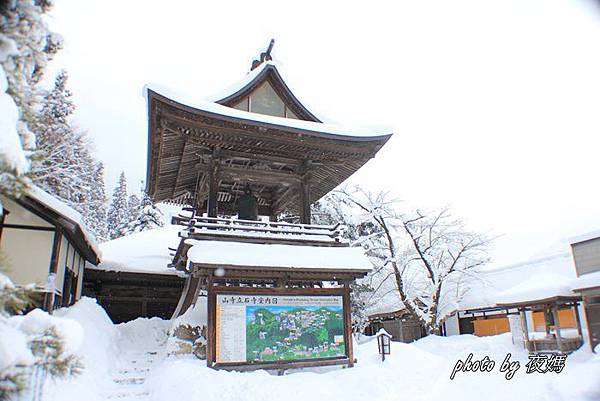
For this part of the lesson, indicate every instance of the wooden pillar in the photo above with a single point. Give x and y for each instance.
(305, 217)
(524, 328)
(348, 324)
(578, 321)
(213, 184)
(557, 327)
(48, 302)
(211, 332)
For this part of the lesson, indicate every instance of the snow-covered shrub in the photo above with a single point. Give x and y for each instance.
(188, 332)
(36, 339)
(190, 340)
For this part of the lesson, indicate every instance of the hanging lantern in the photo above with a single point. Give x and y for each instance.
(383, 341)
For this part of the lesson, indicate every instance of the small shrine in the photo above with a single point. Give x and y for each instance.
(278, 291)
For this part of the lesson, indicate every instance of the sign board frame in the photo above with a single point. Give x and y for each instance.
(344, 292)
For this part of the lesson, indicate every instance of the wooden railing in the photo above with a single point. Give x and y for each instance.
(200, 227)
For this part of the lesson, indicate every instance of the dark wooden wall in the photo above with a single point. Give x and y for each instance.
(127, 296)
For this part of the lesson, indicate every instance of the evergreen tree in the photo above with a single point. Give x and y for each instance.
(118, 210)
(133, 209)
(64, 164)
(94, 213)
(148, 217)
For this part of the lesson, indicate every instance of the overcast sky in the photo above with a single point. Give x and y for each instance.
(495, 105)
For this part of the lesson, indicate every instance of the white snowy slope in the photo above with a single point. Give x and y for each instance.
(275, 255)
(144, 252)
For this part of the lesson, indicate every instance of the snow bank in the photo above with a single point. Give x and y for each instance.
(98, 351)
(13, 348)
(416, 371)
(99, 337)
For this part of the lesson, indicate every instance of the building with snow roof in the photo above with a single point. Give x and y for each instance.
(235, 163)
(43, 242)
(586, 255)
(534, 300)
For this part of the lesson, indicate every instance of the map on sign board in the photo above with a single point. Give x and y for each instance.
(263, 328)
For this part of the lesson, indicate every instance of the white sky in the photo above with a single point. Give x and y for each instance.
(494, 104)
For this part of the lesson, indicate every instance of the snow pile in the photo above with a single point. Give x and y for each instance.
(98, 351)
(13, 347)
(99, 334)
(416, 371)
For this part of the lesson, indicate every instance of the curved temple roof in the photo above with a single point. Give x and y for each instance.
(272, 153)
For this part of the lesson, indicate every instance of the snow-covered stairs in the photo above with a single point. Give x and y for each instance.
(141, 348)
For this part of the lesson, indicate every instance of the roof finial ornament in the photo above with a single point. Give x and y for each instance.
(264, 56)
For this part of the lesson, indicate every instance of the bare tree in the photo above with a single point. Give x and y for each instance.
(425, 258)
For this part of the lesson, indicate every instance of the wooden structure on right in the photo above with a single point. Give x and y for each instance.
(278, 292)
(586, 255)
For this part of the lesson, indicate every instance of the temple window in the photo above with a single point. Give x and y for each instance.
(264, 100)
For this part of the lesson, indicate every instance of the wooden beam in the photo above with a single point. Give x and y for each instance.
(179, 169)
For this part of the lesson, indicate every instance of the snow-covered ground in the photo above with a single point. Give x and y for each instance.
(128, 362)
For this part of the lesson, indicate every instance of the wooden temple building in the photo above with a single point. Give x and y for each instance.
(235, 164)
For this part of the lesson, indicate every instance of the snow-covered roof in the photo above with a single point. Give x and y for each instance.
(585, 237)
(144, 252)
(333, 131)
(42, 197)
(234, 254)
(259, 74)
(586, 281)
(536, 279)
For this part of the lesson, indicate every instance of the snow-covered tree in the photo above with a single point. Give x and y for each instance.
(118, 211)
(35, 344)
(360, 300)
(94, 212)
(64, 164)
(148, 217)
(427, 259)
(26, 46)
(133, 210)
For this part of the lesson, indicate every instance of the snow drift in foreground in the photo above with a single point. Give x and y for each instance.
(417, 371)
